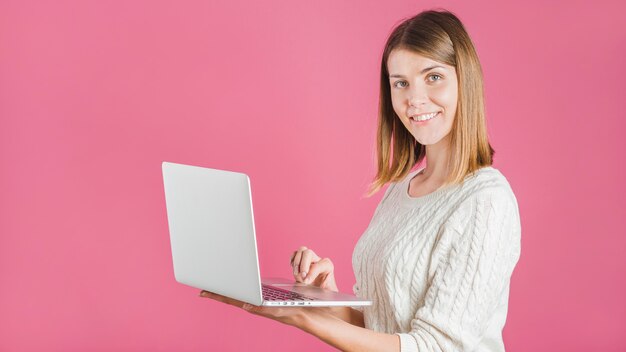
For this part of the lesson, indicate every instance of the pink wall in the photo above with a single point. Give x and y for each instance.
(95, 94)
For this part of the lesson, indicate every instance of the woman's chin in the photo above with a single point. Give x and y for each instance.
(428, 140)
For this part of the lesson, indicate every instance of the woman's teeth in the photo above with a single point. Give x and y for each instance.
(424, 117)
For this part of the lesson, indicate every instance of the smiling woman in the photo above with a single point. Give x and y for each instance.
(427, 105)
(429, 65)
(437, 257)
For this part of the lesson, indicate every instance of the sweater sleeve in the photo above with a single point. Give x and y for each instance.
(472, 274)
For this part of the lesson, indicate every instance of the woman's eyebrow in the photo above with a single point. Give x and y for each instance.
(422, 72)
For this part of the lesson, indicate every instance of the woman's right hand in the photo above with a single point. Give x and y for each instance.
(309, 268)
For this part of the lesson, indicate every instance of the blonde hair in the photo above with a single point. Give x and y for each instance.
(440, 36)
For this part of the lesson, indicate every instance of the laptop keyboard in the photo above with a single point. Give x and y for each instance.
(275, 294)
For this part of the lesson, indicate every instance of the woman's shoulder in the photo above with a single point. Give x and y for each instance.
(483, 191)
(488, 182)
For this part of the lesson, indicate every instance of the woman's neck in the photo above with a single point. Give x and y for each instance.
(437, 156)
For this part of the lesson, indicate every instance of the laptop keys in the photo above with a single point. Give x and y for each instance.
(274, 294)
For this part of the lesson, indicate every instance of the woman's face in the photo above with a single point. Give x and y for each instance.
(424, 95)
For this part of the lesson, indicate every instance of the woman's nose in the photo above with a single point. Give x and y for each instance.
(418, 96)
(417, 99)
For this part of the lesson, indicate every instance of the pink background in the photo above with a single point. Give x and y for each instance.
(94, 95)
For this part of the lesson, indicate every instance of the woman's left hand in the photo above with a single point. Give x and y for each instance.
(287, 315)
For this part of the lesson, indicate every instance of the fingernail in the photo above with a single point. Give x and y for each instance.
(304, 274)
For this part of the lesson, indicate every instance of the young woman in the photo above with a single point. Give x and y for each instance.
(438, 254)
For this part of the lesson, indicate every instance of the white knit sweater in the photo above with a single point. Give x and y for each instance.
(438, 267)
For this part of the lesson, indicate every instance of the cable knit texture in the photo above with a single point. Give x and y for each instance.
(438, 267)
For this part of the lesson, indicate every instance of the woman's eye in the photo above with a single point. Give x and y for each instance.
(439, 77)
(396, 84)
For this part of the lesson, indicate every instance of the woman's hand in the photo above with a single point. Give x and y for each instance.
(322, 323)
(294, 316)
(309, 268)
(286, 315)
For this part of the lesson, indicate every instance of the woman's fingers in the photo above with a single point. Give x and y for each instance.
(308, 257)
(323, 267)
(223, 299)
(296, 260)
(309, 268)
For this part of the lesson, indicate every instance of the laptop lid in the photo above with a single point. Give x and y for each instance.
(208, 206)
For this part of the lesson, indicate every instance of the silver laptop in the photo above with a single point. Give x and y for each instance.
(211, 225)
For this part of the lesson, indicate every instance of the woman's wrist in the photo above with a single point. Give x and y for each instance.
(307, 317)
(347, 314)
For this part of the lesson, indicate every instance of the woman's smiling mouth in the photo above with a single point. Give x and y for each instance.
(424, 117)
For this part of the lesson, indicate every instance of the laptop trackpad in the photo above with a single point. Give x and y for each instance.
(307, 290)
